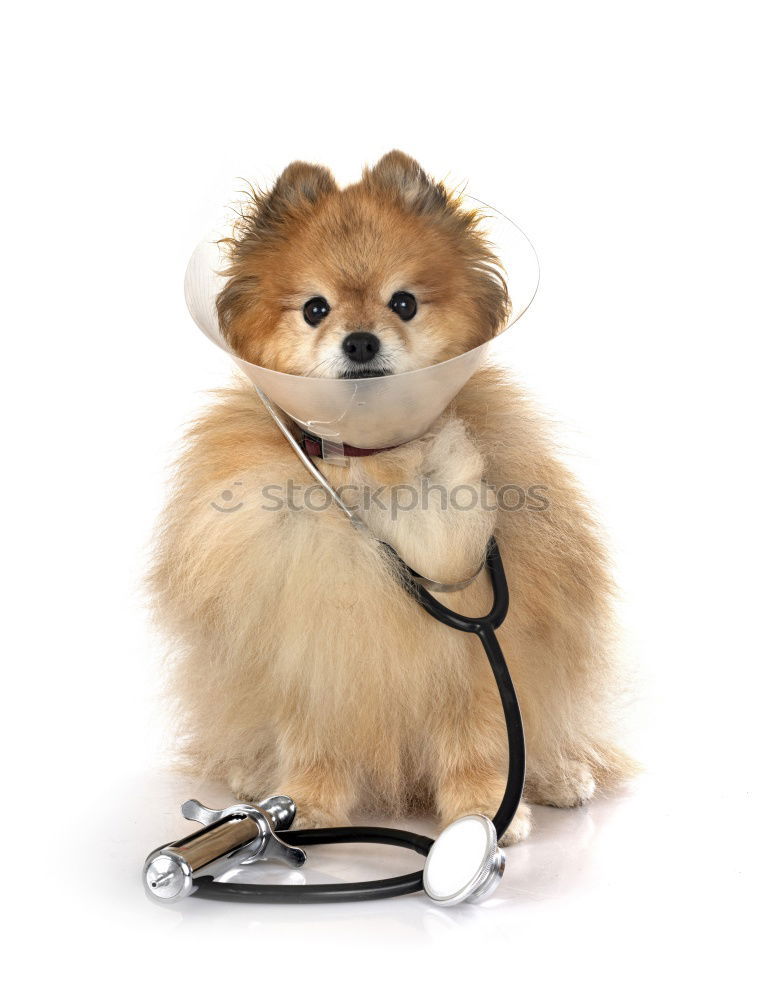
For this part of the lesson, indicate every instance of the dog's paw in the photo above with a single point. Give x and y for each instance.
(564, 787)
(244, 788)
(520, 827)
(518, 830)
(315, 817)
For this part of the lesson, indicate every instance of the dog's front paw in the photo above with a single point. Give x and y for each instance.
(571, 785)
(317, 817)
(518, 830)
(520, 827)
(244, 787)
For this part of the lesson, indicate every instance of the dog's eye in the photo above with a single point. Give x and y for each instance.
(315, 310)
(403, 304)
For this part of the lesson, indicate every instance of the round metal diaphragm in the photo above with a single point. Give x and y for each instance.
(465, 864)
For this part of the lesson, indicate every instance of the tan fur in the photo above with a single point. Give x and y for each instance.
(301, 665)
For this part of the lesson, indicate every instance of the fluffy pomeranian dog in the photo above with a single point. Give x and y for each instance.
(301, 664)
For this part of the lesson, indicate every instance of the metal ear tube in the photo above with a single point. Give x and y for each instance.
(238, 835)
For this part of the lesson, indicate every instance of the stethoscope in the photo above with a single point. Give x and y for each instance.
(465, 862)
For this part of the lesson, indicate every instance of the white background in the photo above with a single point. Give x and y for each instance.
(623, 137)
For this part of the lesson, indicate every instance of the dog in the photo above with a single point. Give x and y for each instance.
(301, 665)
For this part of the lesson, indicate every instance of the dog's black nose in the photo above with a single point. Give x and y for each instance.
(361, 347)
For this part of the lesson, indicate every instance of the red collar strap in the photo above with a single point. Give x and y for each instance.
(315, 447)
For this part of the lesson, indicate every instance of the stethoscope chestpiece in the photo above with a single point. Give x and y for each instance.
(465, 864)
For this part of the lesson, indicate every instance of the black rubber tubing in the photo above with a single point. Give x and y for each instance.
(484, 628)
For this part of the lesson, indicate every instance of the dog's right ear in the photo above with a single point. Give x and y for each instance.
(299, 184)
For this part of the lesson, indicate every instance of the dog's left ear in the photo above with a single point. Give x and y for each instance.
(398, 174)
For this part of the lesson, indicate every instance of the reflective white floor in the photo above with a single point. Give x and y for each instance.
(617, 891)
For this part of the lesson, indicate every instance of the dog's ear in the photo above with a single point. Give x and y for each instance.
(299, 184)
(399, 175)
(303, 182)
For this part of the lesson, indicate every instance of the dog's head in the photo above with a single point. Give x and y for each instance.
(388, 275)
